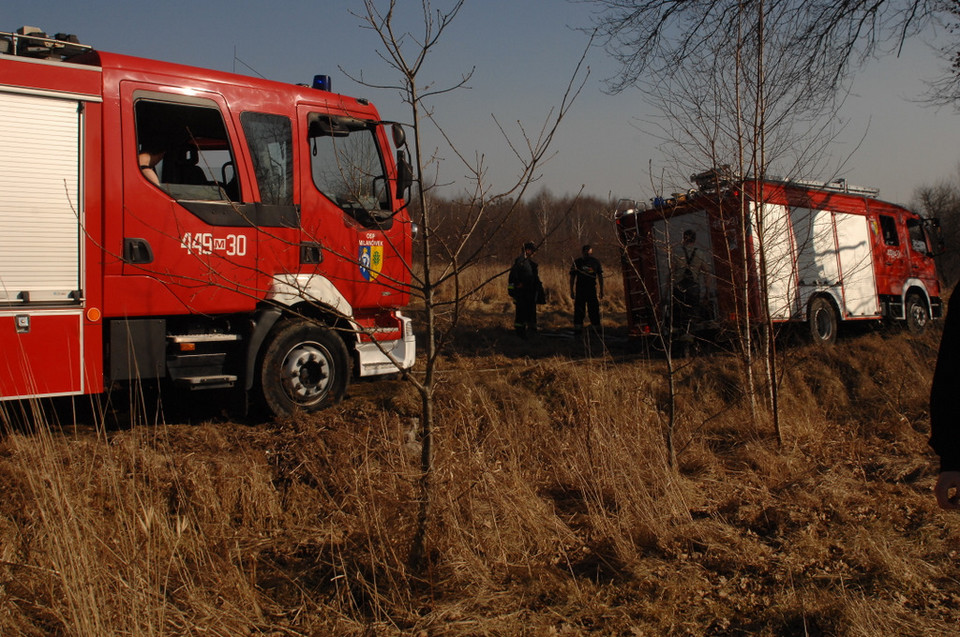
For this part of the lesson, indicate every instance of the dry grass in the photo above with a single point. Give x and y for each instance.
(555, 511)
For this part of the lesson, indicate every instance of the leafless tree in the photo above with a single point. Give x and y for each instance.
(945, 89)
(444, 256)
(750, 85)
(942, 201)
(658, 299)
(829, 36)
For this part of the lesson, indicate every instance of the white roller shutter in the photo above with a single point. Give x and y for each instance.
(39, 198)
(856, 265)
(779, 251)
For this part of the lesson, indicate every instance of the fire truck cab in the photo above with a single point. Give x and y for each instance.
(790, 251)
(160, 221)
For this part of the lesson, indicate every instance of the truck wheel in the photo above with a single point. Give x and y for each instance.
(305, 367)
(823, 321)
(916, 314)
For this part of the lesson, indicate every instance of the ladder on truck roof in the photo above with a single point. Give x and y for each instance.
(721, 178)
(837, 185)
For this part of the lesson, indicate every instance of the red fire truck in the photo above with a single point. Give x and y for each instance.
(818, 253)
(159, 221)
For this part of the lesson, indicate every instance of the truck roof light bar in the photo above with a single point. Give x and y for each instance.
(33, 43)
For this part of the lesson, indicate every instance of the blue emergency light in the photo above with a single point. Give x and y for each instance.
(322, 82)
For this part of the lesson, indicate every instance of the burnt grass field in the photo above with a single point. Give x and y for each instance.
(555, 511)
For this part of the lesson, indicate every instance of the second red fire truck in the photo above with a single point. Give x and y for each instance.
(790, 251)
(159, 221)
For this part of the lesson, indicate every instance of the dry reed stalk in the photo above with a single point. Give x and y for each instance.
(128, 534)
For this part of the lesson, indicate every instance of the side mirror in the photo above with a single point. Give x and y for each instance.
(399, 136)
(934, 234)
(404, 175)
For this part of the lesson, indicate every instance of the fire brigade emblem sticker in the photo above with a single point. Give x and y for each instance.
(371, 259)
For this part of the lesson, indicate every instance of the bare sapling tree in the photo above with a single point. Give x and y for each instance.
(444, 256)
(667, 321)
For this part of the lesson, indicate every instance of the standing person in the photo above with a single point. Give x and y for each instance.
(586, 281)
(525, 288)
(945, 410)
(687, 268)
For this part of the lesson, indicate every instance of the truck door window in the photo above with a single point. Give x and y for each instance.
(270, 141)
(918, 240)
(191, 140)
(888, 226)
(348, 169)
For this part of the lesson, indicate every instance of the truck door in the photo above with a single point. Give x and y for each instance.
(189, 240)
(893, 262)
(921, 252)
(41, 213)
(347, 208)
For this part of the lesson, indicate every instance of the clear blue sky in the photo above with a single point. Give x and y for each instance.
(524, 52)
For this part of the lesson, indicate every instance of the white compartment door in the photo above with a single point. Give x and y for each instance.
(41, 333)
(856, 266)
(772, 227)
(40, 204)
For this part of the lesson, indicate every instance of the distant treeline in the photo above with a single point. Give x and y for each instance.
(496, 232)
(942, 201)
(562, 224)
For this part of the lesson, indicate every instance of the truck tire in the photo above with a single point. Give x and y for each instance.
(916, 314)
(823, 321)
(305, 368)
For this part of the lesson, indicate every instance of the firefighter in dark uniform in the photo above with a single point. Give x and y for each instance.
(525, 288)
(945, 409)
(586, 282)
